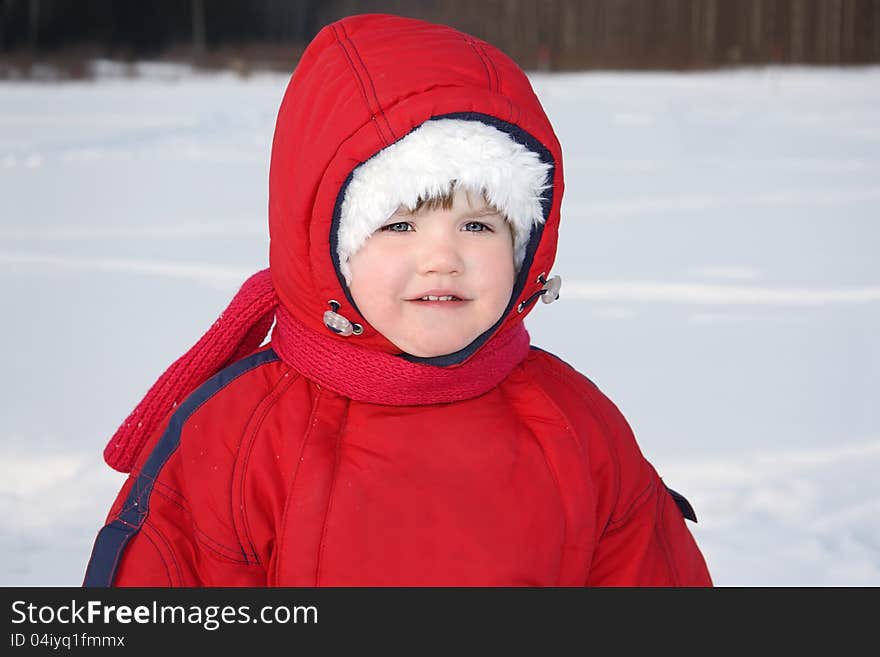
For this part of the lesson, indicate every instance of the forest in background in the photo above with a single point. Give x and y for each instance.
(553, 35)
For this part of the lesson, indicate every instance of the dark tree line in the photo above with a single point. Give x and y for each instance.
(554, 34)
(147, 27)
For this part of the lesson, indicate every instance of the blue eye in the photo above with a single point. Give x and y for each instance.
(476, 227)
(398, 227)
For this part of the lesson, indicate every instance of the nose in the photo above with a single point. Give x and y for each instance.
(439, 255)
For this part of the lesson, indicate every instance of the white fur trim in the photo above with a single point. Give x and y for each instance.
(482, 159)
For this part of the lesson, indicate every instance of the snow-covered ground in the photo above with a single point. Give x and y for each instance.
(721, 284)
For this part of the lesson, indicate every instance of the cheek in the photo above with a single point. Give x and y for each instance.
(494, 275)
(377, 276)
(496, 270)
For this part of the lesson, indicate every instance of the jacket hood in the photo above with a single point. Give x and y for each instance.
(363, 84)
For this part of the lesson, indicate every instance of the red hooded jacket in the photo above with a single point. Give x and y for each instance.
(282, 469)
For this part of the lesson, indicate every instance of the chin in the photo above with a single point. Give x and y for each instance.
(434, 350)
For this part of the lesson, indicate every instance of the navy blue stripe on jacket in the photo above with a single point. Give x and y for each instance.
(113, 537)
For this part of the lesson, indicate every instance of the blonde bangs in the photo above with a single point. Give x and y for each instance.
(445, 200)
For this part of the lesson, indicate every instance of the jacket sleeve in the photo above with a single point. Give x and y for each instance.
(167, 550)
(153, 535)
(644, 540)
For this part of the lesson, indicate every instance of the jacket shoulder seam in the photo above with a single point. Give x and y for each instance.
(147, 536)
(588, 395)
(550, 467)
(616, 523)
(203, 538)
(331, 497)
(171, 558)
(663, 539)
(289, 493)
(246, 443)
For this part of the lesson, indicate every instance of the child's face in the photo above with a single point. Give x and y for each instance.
(466, 251)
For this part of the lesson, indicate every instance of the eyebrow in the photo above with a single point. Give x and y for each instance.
(486, 211)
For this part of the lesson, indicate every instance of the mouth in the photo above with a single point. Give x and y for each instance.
(429, 297)
(440, 298)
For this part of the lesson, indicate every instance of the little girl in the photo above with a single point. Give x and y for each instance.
(398, 429)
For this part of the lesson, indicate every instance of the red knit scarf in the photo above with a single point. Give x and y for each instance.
(345, 367)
